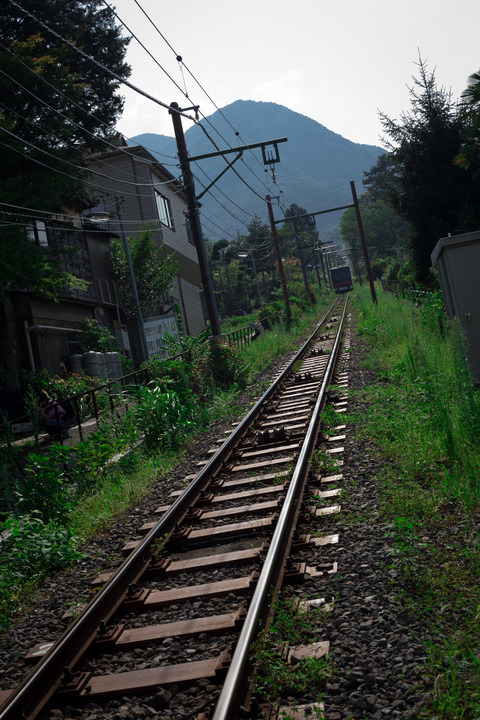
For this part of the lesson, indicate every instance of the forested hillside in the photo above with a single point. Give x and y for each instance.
(315, 169)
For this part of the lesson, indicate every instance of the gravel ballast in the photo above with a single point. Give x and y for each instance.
(377, 648)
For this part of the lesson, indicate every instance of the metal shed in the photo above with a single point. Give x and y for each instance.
(457, 259)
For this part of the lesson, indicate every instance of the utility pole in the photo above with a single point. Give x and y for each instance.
(355, 260)
(133, 283)
(320, 251)
(279, 260)
(315, 265)
(194, 218)
(245, 255)
(364, 244)
(229, 286)
(315, 260)
(300, 256)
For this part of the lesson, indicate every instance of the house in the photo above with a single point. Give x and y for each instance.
(151, 196)
(37, 332)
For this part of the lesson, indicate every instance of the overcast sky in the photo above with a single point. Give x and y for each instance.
(338, 62)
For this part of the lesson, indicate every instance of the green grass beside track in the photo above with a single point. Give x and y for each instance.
(423, 414)
(66, 497)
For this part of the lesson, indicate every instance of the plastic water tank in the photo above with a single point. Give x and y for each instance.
(102, 366)
(75, 364)
(92, 363)
(111, 364)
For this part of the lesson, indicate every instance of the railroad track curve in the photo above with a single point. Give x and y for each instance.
(239, 511)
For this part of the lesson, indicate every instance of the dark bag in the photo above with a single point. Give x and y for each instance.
(68, 407)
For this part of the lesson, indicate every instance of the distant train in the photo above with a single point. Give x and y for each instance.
(341, 279)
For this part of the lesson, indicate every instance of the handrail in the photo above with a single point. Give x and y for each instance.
(77, 398)
(239, 338)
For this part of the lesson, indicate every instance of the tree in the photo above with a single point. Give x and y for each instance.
(385, 230)
(57, 106)
(153, 273)
(425, 186)
(469, 156)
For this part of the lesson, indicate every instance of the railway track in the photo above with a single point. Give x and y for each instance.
(186, 605)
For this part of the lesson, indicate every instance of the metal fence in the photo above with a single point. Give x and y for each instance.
(244, 336)
(89, 405)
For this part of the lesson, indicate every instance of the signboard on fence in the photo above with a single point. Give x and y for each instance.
(156, 329)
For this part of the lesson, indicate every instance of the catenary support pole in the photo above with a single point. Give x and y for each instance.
(194, 217)
(279, 260)
(364, 244)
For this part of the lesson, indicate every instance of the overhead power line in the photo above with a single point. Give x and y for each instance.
(180, 60)
(112, 74)
(80, 167)
(147, 95)
(70, 101)
(142, 45)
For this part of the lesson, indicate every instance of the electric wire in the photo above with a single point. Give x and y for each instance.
(97, 63)
(89, 170)
(142, 45)
(179, 59)
(72, 102)
(123, 81)
(33, 214)
(96, 186)
(120, 79)
(223, 206)
(222, 230)
(81, 128)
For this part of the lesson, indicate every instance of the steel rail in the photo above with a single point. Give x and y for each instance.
(28, 698)
(229, 702)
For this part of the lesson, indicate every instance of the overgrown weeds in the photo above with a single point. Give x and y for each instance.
(424, 414)
(64, 496)
(291, 625)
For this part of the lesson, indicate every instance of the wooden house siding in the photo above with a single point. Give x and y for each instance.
(139, 208)
(188, 297)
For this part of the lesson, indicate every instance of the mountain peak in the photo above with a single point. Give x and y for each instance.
(314, 172)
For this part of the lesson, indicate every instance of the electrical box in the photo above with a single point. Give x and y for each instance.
(457, 259)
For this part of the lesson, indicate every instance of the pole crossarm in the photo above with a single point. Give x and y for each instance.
(236, 149)
(318, 212)
(220, 175)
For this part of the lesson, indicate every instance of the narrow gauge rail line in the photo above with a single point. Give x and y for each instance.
(249, 447)
(235, 686)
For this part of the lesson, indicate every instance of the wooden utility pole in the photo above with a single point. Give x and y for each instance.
(279, 260)
(194, 217)
(364, 244)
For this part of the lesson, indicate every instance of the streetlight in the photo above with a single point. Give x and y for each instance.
(245, 255)
(104, 217)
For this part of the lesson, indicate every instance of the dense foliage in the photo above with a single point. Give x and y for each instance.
(57, 105)
(427, 186)
(469, 156)
(153, 271)
(246, 274)
(423, 413)
(50, 497)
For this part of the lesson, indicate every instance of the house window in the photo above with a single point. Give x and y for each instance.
(37, 233)
(164, 210)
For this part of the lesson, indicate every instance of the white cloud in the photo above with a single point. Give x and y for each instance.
(286, 89)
